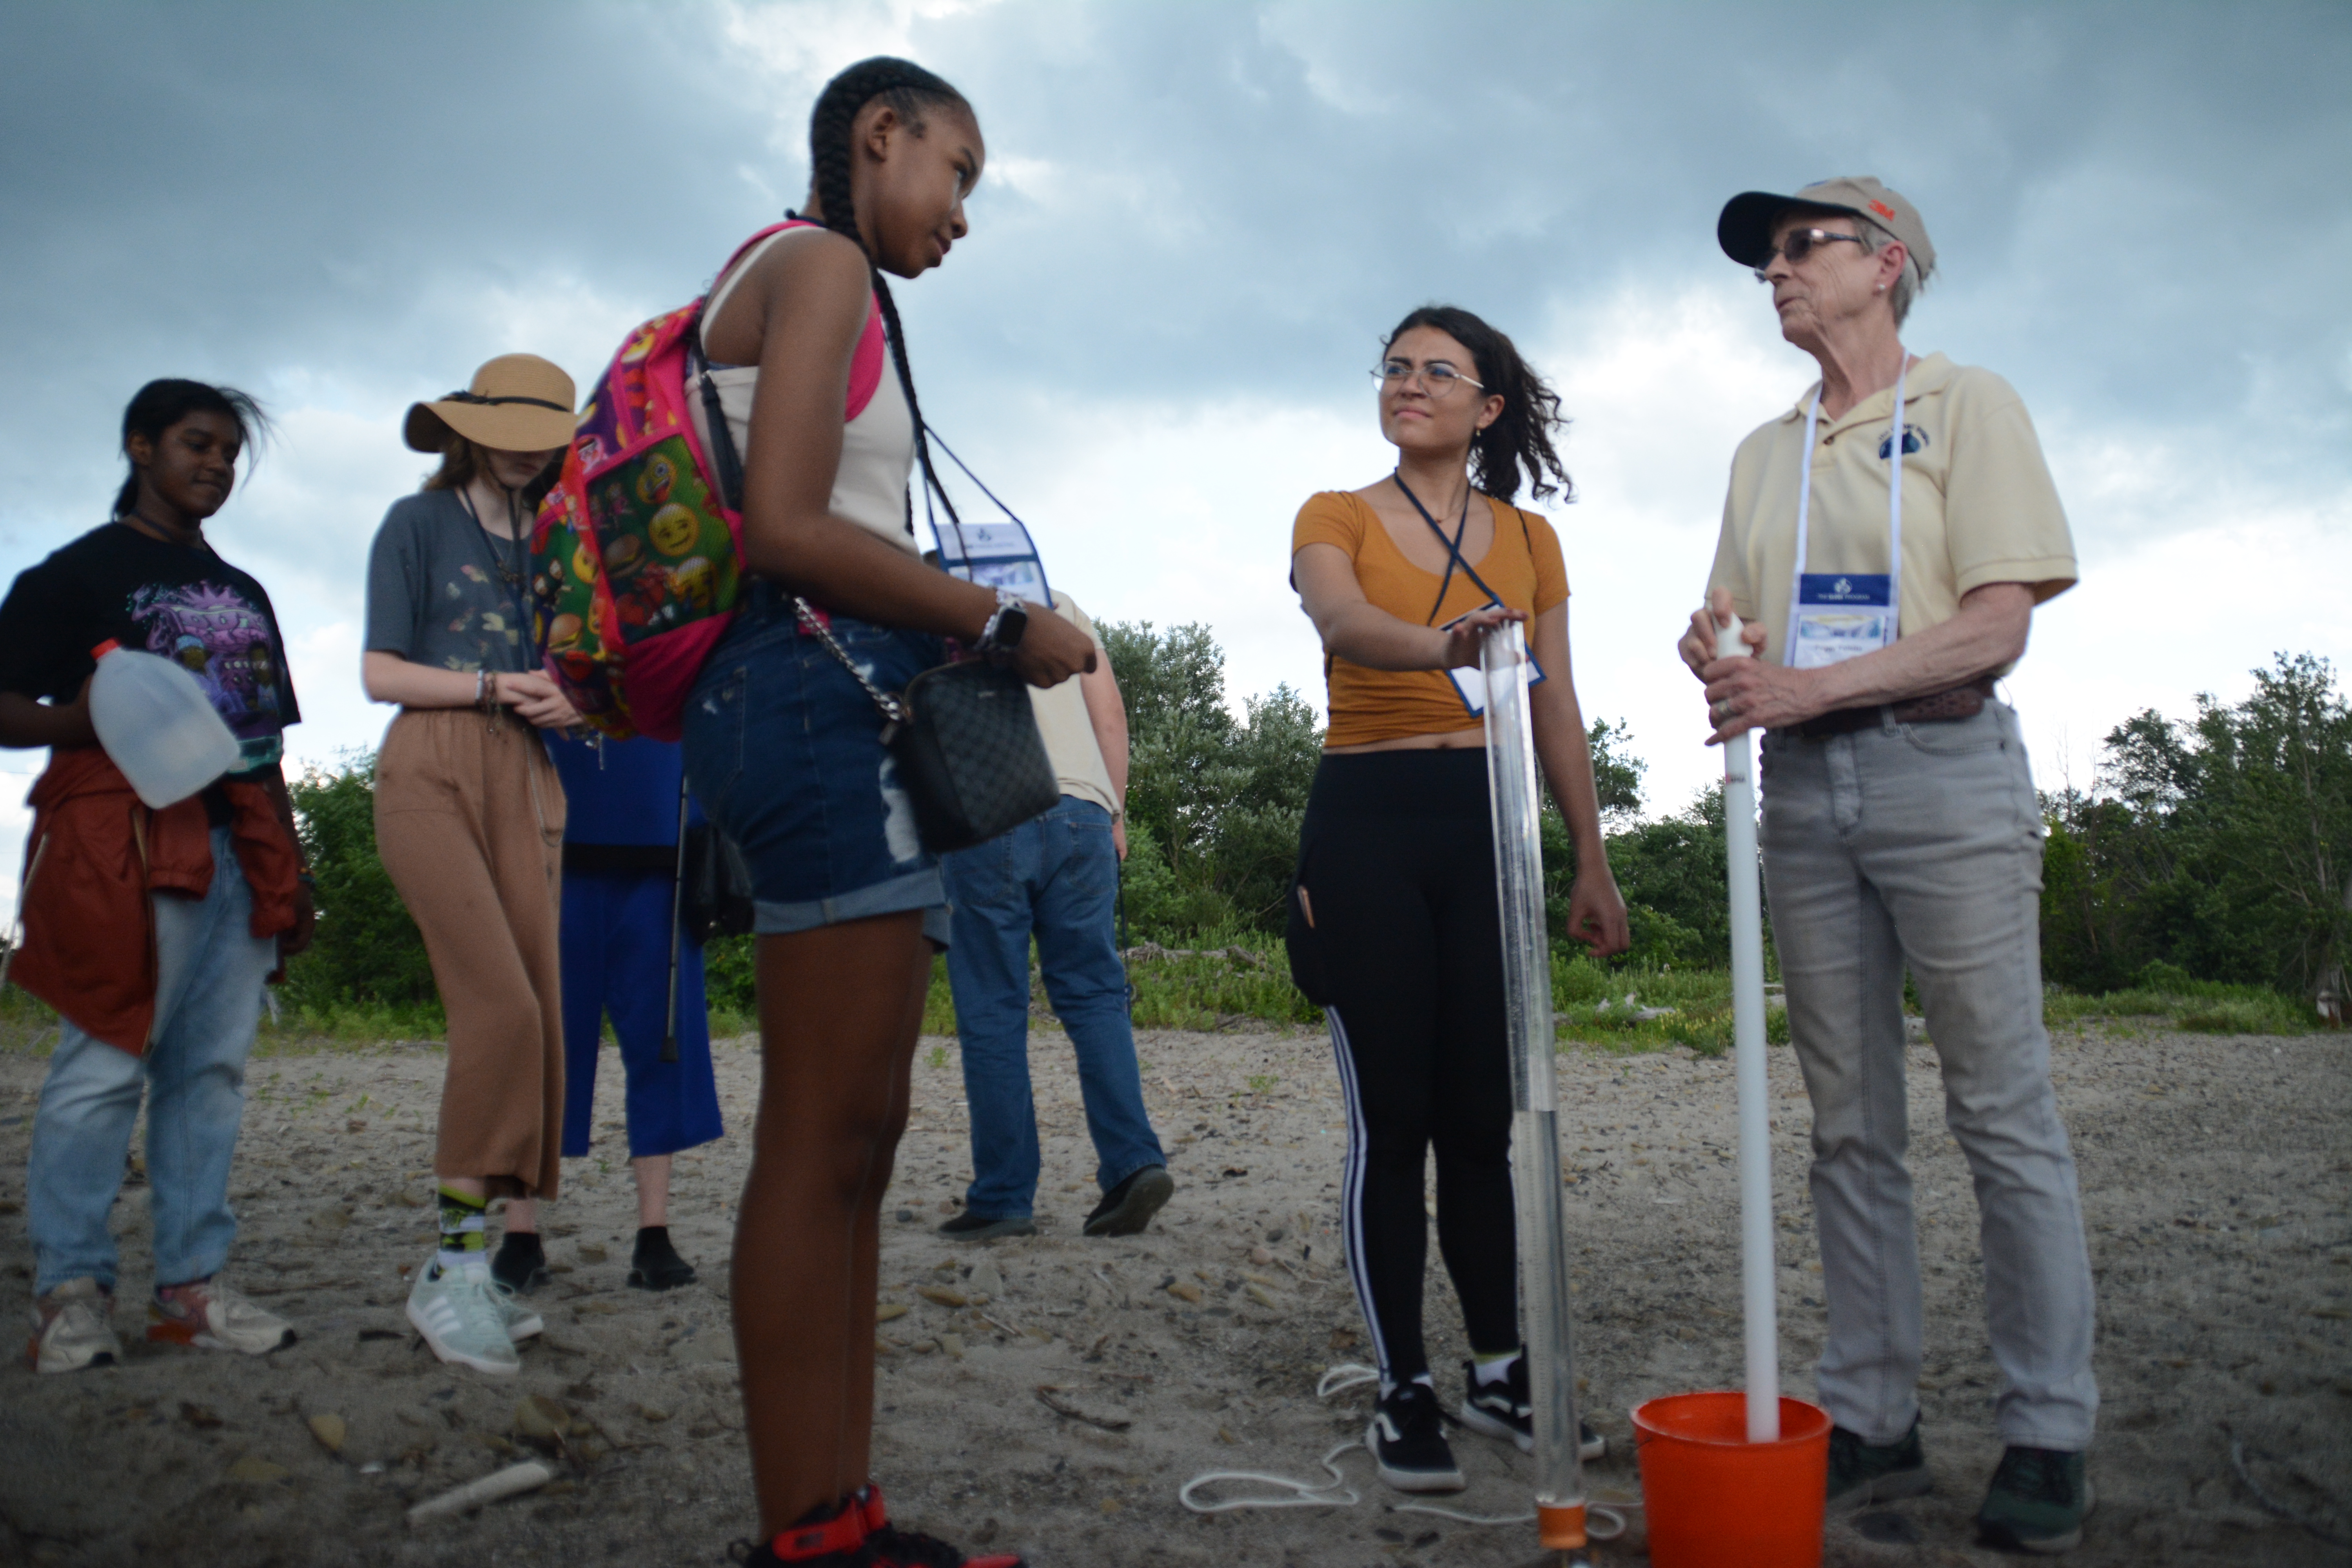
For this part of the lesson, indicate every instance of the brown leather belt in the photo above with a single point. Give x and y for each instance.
(1965, 701)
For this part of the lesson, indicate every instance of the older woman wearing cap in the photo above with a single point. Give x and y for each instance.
(469, 822)
(1886, 540)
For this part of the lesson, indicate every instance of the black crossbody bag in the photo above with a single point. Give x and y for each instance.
(963, 734)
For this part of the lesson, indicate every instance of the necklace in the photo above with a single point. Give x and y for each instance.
(192, 538)
(508, 560)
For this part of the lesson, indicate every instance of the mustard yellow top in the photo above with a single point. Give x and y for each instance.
(1523, 566)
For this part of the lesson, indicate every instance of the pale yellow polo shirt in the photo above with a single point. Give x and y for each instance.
(1070, 743)
(1978, 503)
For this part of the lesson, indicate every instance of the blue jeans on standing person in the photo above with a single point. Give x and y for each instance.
(1056, 878)
(209, 975)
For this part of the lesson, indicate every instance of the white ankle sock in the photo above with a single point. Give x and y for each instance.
(1494, 1368)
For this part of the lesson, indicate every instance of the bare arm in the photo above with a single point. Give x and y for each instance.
(388, 678)
(1748, 694)
(24, 721)
(1596, 912)
(813, 294)
(1354, 628)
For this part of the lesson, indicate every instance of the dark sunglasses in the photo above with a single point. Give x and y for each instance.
(1797, 246)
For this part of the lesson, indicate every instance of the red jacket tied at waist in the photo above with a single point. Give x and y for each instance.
(89, 930)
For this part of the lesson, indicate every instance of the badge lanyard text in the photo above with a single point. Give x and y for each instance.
(1836, 616)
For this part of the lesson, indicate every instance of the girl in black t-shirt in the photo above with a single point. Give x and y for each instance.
(179, 1008)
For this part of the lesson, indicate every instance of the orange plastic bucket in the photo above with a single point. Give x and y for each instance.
(1716, 1499)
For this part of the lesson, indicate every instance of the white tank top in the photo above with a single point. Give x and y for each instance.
(877, 442)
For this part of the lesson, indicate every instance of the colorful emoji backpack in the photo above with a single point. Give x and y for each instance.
(637, 561)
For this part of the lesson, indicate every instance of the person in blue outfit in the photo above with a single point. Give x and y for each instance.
(1056, 879)
(620, 883)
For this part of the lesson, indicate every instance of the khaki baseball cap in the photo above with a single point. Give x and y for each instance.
(517, 403)
(1744, 229)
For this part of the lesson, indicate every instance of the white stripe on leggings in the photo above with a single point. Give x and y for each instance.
(1351, 1189)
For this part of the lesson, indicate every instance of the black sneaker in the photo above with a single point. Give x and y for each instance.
(969, 1226)
(1862, 1473)
(521, 1264)
(2037, 1502)
(1128, 1208)
(1407, 1438)
(1506, 1410)
(656, 1265)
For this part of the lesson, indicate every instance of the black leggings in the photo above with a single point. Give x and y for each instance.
(1398, 862)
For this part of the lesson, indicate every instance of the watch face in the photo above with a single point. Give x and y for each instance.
(1011, 625)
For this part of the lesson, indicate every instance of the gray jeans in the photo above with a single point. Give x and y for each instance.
(1920, 846)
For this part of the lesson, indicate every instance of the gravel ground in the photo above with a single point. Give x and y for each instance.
(1051, 1395)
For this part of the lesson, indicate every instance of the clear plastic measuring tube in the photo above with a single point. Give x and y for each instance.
(1756, 1264)
(1534, 1099)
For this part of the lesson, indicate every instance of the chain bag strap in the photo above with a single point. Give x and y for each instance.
(966, 741)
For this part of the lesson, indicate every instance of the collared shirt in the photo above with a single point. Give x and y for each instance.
(1068, 730)
(1977, 502)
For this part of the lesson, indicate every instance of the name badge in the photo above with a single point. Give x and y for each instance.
(1839, 615)
(1470, 681)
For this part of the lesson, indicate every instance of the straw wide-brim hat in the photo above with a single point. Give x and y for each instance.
(517, 403)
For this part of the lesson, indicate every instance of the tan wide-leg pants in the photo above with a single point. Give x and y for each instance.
(469, 824)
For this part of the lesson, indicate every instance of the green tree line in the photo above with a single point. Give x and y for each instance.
(2217, 848)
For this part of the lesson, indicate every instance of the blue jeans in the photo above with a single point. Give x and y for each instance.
(1056, 878)
(210, 969)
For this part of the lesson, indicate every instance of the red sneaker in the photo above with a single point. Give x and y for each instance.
(887, 1546)
(835, 1542)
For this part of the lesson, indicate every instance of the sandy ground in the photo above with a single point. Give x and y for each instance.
(1060, 1415)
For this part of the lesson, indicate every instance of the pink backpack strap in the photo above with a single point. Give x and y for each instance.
(865, 361)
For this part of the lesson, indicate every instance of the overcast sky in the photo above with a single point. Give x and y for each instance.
(1196, 223)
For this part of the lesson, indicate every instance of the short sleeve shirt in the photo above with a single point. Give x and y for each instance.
(1523, 567)
(1068, 729)
(183, 603)
(436, 593)
(1979, 505)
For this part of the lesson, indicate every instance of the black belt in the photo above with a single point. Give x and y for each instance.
(1965, 701)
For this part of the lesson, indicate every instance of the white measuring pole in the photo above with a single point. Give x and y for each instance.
(1756, 1260)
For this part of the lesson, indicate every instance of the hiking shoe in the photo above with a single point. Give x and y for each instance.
(1506, 1410)
(1407, 1438)
(969, 1226)
(71, 1329)
(656, 1265)
(522, 1319)
(211, 1314)
(1863, 1472)
(460, 1316)
(522, 1262)
(2037, 1502)
(1128, 1207)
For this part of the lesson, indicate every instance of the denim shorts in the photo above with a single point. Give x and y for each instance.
(784, 751)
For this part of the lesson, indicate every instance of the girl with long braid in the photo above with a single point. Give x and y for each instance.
(1395, 927)
(785, 750)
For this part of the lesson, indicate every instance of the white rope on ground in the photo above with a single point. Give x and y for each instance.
(2238, 1452)
(1338, 1493)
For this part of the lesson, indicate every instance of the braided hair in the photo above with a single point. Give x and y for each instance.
(908, 89)
(1520, 437)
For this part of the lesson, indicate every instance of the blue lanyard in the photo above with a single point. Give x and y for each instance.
(1452, 548)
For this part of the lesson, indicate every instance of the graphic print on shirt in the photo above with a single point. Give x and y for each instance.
(224, 640)
(492, 630)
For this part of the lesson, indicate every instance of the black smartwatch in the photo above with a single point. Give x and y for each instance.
(1004, 628)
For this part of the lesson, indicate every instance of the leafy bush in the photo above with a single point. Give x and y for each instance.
(367, 951)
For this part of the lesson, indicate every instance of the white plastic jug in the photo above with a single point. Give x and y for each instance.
(156, 722)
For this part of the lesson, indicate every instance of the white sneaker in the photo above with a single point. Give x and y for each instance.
(461, 1319)
(71, 1328)
(522, 1320)
(213, 1316)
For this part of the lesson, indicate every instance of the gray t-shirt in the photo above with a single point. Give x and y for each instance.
(435, 594)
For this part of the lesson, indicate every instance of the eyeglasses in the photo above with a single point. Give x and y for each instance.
(1797, 246)
(1437, 377)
